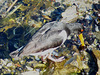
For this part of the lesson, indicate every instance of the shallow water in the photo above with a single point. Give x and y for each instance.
(19, 24)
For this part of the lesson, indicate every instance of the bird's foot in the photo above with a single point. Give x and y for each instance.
(56, 60)
(48, 56)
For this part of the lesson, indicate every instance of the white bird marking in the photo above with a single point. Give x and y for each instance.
(64, 35)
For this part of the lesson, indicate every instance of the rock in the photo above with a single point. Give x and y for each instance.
(18, 31)
(70, 14)
(3, 40)
(3, 6)
(10, 64)
(39, 66)
(68, 70)
(77, 62)
(38, 70)
(46, 17)
(29, 68)
(48, 11)
(58, 0)
(30, 73)
(97, 55)
(56, 4)
(35, 24)
(98, 61)
(97, 34)
(88, 17)
(56, 14)
(95, 1)
(43, 7)
(3, 62)
(0, 66)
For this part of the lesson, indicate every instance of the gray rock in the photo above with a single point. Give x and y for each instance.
(30, 73)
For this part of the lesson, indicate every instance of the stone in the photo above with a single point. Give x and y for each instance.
(30, 73)
(70, 14)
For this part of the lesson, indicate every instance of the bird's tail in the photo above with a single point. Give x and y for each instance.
(15, 54)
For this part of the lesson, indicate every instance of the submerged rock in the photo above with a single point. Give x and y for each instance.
(30, 73)
(4, 4)
(97, 35)
(3, 40)
(97, 55)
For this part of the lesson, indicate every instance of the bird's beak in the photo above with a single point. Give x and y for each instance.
(81, 38)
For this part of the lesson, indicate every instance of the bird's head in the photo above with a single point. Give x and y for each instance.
(77, 28)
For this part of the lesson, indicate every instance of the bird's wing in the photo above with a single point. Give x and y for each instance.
(50, 39)
(47, 37)
(44, 29)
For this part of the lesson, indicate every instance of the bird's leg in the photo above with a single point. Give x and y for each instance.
(55, 60)
(43, 58)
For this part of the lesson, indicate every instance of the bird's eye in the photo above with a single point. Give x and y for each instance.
(82, 30)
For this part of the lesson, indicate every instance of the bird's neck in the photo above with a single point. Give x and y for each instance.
(68, 31)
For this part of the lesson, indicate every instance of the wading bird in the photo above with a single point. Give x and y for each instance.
(48, 38)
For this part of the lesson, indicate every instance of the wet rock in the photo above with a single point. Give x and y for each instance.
(97, 34)
(46, 17)
(13, 45)
(96, 14)
(35, 17)
(3, 7)
(97, 24)
(97, 55)
(70, 14)
(77, 63)
(3, 62)
(56, 4)
(88, 17)
(96, 6)
(58, 0)
(68, 70)
(56, 14)
(92, 63)
(48, 11)
(10, 32)
(18, 31)
(35, 24)
(3, 39)
(43, 7)
(10, 64)
(29, 68)
(30, 73)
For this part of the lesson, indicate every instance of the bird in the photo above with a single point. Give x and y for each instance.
(49, 37)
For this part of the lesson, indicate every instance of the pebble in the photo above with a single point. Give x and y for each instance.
(88, 17)
(3, 62)
(30, 73)
(96, 28)
(0, 66)
(56, 4)
(38, 70)
(29, 68)
(9, 65)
